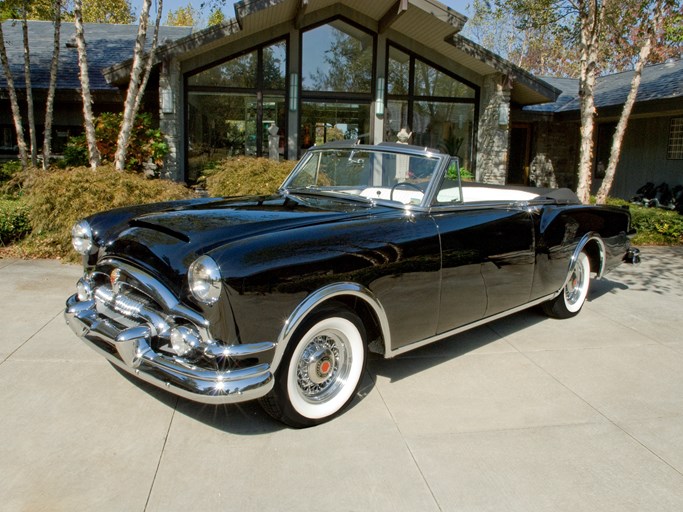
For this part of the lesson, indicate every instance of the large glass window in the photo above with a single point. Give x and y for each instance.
(238, 108)
(323, 121)
(438, 108)
(337, 57)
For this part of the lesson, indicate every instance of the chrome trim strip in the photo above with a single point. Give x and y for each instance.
(320, 296)
(588, 237)
(458, 330)
(130, 351)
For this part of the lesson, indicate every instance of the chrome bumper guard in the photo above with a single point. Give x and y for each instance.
(131, 350)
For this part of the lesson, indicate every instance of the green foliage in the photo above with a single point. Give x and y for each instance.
(14, 220)
(186, 16)
(246, 176)
(655, 226)
(146, 143)
(8, 170)
(57, 199)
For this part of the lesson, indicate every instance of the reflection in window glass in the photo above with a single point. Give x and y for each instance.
(431, 82)
(447, 127)
(337, 57)
(399, 72)
(273, 126)
(239, 72)
(326, 122)
(275, 66)
(395, 118)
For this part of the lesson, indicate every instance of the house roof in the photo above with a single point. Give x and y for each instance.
(426, 22)
(106, 45)
(658, 82)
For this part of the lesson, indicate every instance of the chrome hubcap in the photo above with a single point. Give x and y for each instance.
(574, 289)
(323, 367)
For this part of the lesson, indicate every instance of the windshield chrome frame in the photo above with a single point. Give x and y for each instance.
(438, 175)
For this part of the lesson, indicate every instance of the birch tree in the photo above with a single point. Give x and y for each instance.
(54, 65)
(14, 101)
(138, 80)
(88, 119)
(650, 27)
(28, 86)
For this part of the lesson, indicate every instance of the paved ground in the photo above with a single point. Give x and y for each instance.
(524, 414)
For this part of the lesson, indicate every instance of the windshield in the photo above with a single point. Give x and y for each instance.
(366, 173)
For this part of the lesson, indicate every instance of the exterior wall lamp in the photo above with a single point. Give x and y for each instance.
(379, 97)
(293, 92)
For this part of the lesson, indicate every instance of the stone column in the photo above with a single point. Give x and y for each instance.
(171, 122)
(494, 130)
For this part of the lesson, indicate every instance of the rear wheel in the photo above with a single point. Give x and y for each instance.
(321, 369)
(573, 296)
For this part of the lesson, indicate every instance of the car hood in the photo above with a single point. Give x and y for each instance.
(169, 238)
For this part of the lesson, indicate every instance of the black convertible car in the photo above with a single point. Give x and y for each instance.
(381, 248)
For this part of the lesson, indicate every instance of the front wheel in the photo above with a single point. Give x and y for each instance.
(321, 369)
(571, 300)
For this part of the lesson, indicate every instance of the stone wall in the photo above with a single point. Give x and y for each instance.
(554, 157)
(494, 131)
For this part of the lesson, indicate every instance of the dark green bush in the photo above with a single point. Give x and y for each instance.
(9, 169)
(57, 199)
(246, 175)
(14, 220)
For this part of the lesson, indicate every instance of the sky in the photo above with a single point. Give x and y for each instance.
(171, 5)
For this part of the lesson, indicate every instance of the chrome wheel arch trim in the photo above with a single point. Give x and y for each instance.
(315, 299)
(585, 240)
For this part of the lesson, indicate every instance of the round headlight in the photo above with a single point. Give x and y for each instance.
(81, 237)
(204, 279)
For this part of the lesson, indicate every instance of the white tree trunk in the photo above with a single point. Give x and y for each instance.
(150, 59)
(49, 104)
(14, 102)
(29, 89)
(654, 27)
(590, 15)
(133, 88)
(88, 120)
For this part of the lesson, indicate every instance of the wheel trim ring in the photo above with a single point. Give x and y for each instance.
(575, 290)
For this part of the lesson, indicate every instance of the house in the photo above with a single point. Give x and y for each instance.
(286, 74)
(106, 45)
(545, 138)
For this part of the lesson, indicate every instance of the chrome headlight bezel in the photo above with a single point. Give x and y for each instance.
(82, 238)
(204, 280)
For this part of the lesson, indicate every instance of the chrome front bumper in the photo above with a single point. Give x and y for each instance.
(131, 350)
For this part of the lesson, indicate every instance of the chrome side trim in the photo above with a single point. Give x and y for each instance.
(458, 330)
(320, 296)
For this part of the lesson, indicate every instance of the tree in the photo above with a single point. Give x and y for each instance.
(49, 104)
(597, 30)
(649, 19)
(216, 17)
(106, 11)
(183, 17)
(11, 89)
(138, 80)
(88, 119)
(29, 89)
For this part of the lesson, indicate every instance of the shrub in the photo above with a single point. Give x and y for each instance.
(57, 199)
(656, 226)
(146, 143)
(246, 176)
(14, 220)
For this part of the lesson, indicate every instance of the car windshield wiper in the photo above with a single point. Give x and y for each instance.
(311, 191)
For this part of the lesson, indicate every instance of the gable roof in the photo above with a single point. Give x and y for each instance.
(106, 45)
(658, 82)
(426, 22)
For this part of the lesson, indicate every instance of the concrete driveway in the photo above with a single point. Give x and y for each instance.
(524, 414)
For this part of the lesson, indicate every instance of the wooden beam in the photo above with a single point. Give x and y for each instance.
(395, 12)
(300, 12)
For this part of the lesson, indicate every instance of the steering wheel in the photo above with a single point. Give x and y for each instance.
(404, 183)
